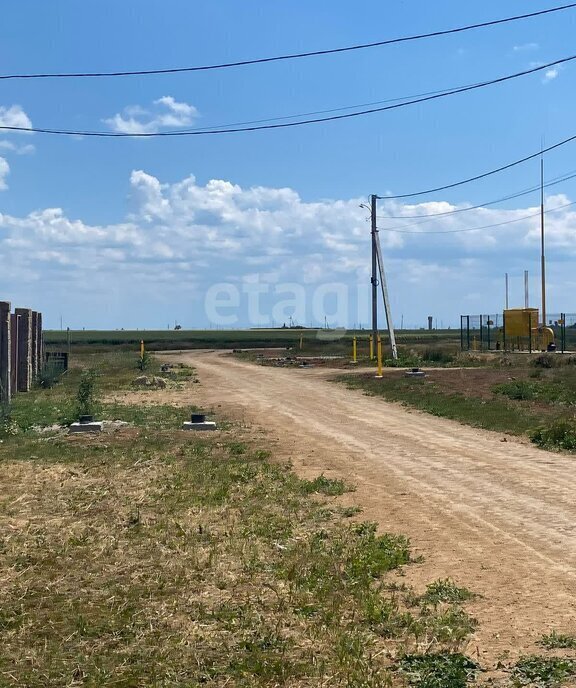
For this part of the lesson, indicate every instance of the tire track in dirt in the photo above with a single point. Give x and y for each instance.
(499, 517)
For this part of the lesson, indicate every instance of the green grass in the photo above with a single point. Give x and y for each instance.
(315, 340)
(495, 414)
(551, 392)
(155, 557)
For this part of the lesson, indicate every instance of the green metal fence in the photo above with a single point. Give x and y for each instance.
(488, 333)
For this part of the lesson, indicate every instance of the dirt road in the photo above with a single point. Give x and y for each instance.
(498, 517)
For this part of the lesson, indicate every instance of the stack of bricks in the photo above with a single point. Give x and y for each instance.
(21, 350)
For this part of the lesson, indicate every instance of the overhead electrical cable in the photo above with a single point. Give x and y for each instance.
(205, 132)
(484, 174)
(397, 99)
(432, 216)
(477, 229)
(292, 56)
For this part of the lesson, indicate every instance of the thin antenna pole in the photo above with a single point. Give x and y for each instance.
(526, 292)
(542, 256)
(506, 280)
(374, 279)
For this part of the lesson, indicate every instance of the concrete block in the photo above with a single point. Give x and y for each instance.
(24, 349)
(14, 326)
(34, 345)
(40, 354)
(5, 356)
(415, 372)
(205, 425)
(86, 427)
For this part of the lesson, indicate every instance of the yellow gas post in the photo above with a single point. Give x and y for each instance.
(301, 342)
(354, 351)
(379, 371)
(142, 349)
(371, 344)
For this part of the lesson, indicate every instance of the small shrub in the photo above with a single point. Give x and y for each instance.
(8, 426)
(144, 361)
(437, 356)
(542, 671)
(49, 376)
(554, 641)
(561, 434)
(86, 398)
(445, 591)
(441, 670)
(544, 361)
(518, 390)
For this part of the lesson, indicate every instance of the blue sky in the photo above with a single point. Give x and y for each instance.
(137, 233)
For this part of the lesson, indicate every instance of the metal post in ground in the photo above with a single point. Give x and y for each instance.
(468, 332)
(374, 279)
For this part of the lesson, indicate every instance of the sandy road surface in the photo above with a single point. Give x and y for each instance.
(498, 517)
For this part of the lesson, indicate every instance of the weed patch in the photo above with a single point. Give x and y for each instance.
(542, 672)
(555, 641)
(560, 434)
(327, 486)
(445, 591)
(441, 670)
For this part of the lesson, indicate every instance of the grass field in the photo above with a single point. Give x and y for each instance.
(149, 556)
(153, 557)
(314, 340)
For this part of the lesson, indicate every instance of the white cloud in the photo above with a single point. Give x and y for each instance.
(14, 116)
(550, 75)
(165, 113)
(526, 47)
(184, 237)
(11, 147)
(4, 171)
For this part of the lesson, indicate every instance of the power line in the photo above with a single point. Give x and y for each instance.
(336, 109)
(292, 56)
(477, 229)
(484, 174)
(204, 132)
(431, 216)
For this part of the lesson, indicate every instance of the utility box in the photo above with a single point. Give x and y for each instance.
(519, 322)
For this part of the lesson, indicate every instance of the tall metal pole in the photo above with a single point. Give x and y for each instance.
(526, 292)
(374, 280)
(506, 291)
(543, 258)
